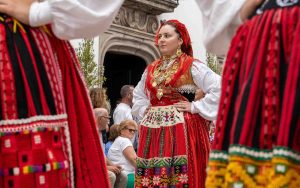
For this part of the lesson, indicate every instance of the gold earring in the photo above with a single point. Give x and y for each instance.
(178, 51)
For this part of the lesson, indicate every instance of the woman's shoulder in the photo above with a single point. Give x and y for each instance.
(123, 139)
(122, 143)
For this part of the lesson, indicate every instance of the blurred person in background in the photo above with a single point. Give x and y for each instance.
(48, 134)
(116, 175)
(122, 152)
(113, 134)
(257, 135)
(123, 109)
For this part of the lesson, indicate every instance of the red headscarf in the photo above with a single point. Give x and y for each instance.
(186, 46)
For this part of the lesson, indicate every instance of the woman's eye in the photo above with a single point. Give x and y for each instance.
(164, 36)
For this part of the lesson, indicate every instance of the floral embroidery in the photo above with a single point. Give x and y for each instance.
(162, 116)
(162, 172)
(145, 181)
(156, 180)
(183, 178)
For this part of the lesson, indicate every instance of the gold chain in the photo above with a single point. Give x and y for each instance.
(164, 75)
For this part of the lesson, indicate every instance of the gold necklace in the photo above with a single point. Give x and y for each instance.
(162, 74)
(169, 58)
(163, 77)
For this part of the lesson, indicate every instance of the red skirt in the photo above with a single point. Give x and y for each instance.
(173, 149)
(257, 138)
(48, 135)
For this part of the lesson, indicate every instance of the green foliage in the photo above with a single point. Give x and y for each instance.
(85, 54)
(213, 63)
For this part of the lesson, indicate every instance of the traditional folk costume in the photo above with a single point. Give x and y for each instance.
(48, 136)
(174, 146)
(257, 139)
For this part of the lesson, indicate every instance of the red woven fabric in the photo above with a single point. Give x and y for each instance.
(258, 123)
(253, 90)
(172, 151)
(48, 136)
(199, 147)
(90, 166)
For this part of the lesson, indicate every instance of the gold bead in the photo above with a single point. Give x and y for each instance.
(154, 84)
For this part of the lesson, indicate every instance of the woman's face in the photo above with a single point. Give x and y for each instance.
(128, 131)
(168, 40)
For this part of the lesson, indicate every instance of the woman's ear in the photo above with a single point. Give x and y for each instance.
(181, 41)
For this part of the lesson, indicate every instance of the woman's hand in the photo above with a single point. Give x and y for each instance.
(249, 7)
(19, 9)
(115, 169)
(199, 94)
(183, 106)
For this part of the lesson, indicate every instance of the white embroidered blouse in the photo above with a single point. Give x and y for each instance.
(203, 77)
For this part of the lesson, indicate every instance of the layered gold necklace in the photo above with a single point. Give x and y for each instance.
(163, 73)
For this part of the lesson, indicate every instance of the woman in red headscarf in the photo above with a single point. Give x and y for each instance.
(174, 142)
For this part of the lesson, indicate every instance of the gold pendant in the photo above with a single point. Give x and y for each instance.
(159, 93)
(154, 84)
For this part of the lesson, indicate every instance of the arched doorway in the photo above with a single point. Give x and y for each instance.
(121, 69)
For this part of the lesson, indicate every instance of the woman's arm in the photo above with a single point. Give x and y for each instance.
(210, 83)
(140, 99)
(75, 18)
(130, 155)
(220, 20)
(69, 18)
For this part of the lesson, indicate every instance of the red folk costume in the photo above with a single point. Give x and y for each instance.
(173, 146)
(48, 136)
(257, 139)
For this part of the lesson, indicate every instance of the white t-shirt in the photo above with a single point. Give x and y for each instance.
(122, 112)
(115, 154)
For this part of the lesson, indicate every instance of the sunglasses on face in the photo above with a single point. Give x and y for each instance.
(131, 130)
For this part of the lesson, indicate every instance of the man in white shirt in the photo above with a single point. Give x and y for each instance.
(123, 110)
(117, 177)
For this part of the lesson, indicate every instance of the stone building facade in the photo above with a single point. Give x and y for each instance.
(128, 46)
(134, 27)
